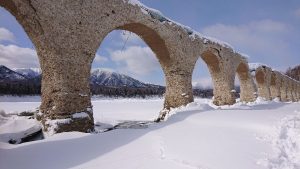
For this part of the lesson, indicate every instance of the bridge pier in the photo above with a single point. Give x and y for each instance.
(294, 93)
(283, 89)
(222, 72)
(247, 86)
(289, 90)
(263, 80)
(224, 92)
(275, 85)
(298, 91)
(66, 98)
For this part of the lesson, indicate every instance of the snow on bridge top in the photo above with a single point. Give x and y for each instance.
(156, 14)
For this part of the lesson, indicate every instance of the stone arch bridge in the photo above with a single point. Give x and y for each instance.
(67, 34)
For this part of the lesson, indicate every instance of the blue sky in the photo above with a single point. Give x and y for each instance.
(266, 30)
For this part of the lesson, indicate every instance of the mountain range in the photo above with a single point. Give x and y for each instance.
(25, 80)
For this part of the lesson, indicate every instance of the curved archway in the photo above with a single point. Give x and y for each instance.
(247, 87)
(19, 58)
(283, 88)
(223, 83)
(263, 78)
(150, 38)
(275, 84)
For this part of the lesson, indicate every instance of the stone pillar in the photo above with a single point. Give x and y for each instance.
(66, 104)
(263, 79)
(247, 86)
(275, 85)
(222, 67)
(298, 91)
(294, 90)
(224, 92)
(289, 89)
(179, 90)
(283, 89)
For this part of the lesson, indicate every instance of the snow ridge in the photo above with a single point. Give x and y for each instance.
(108, 78)
(28, 72)
(287, 144)
(156, 14)
(7, 74)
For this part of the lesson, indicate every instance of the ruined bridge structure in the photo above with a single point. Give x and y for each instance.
(67, 34)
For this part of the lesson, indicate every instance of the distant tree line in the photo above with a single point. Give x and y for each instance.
(33, 87)
(294, 72)
(22, 87)
(127, 91)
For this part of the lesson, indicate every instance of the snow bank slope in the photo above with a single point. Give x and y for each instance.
(196, 137)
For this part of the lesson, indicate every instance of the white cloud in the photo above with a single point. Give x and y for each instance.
(6, 35)
(203, 83)
(136, 59)
(130, 38)
(100, 59)
(14, 56)
(265, 38)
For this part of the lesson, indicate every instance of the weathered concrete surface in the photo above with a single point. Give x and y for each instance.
(67, 34)
(289, 89)
(294, 90)
(263, 81)
(247, 85)
(283, 89)
(275, 84)
(222, 73)
(298, 91)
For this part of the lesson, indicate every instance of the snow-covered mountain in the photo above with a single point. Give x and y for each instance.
(113, 79)
(29, 73)
(99, 77)
(7, 74)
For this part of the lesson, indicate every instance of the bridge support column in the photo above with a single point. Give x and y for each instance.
(179, 90)
(294, 91)
(263, 80)
(275, 85)
(248, 90)
(66, 104)
(224, 92)
(283, 90)
(247, 86)
(298, 91)
(289, 90)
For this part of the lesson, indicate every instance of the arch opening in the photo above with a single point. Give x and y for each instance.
(211, 61)
(18, 58)
(202, 81)
(246, 89)
(152, 39)
(260, 77)
(136, 53)
(242, 80)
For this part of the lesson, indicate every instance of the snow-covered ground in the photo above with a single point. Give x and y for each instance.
(261, 135)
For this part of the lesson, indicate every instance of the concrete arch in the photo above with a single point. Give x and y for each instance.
(67, 34)
(290, 96)
(223, 83)
(294, 90)
(298, 91)
(283, 89)
(263, 80)
(158, 46)
(275, 84)
(247, 86)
